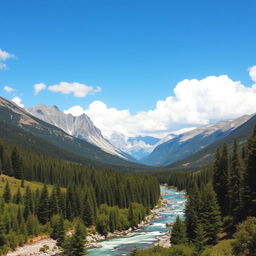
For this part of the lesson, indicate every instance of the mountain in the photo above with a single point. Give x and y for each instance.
(141, 146)
(186, 144)
(22, 128)
(78, 126)
(206, 155)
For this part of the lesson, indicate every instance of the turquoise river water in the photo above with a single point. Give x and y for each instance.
(147, 236)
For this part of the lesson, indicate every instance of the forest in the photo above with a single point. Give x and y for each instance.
(71, 197)
(220, 214)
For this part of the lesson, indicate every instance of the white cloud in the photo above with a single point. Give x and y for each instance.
(8, 89)
(38, 88)
(3, 57)
(78, 89)
(252, 73)
(18, 100)
(195, 102)
(75, 111)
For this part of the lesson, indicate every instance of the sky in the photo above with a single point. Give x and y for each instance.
(135, 67)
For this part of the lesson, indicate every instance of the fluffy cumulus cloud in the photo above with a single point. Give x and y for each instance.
(77, 89)
(194, 103)
(39, 87)
(8, 89)
(3, 57)
(252, 73)
(18, 100)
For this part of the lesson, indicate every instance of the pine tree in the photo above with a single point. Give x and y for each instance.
(236, 185)
(28, 203)
(18, 197)
(178, 235)
(43, 211)
(221, 180)
(200, 239)
(210, 214)
(7, 193)
(192, 212)
(17, 164)
(87, 211)
(76, 245)
(61, 231)
(251, 175)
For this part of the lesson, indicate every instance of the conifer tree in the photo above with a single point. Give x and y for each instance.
(221, 180)
(61, 231)
(200, 239)
(87, 211)
(192, 212)
(236, 185)
(76, 245)
(18, 197)
(28, 203)
(250, 176)
(43, 211)
(17, 164)
(210, 214)
(178, 234)
(7, 193)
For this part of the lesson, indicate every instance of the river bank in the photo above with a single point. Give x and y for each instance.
(46, 246)
(152, 231)
(94, 239)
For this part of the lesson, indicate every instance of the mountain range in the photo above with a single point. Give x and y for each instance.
(185, 145)
(47, 130)
(78, 126)
(20, 127)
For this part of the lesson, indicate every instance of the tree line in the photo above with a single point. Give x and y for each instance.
(81, 197)
(227, 199)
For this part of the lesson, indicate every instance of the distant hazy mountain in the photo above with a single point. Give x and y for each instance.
(207, 155)
(188, 143)
(141, 146)
(78, 126)
(20, 127)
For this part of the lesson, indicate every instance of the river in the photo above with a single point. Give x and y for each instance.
(147, 236)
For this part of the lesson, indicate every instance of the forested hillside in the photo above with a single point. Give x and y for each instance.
(220, 215)
(106, 199)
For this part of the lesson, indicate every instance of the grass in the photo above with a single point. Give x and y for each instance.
(15, 184)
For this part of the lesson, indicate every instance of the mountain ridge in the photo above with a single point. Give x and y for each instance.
(186, 144)
(78, 126)
(11, 115)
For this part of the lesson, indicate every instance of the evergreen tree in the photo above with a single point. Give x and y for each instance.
(221, 180)
(76, 245)
(178, 235)
(61, 231)
(28, 203)
(1, 158)
(43, 211)
(18, 197)
(192, 212)
(251, 176)
(87, 211)
(114, 219)
(7, 193)
(17, 164)
(210, 214)
(200, 239)
(236, 185)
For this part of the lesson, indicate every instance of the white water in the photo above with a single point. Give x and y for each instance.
(146, 237)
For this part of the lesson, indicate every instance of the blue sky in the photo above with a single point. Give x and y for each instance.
(135, 50)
